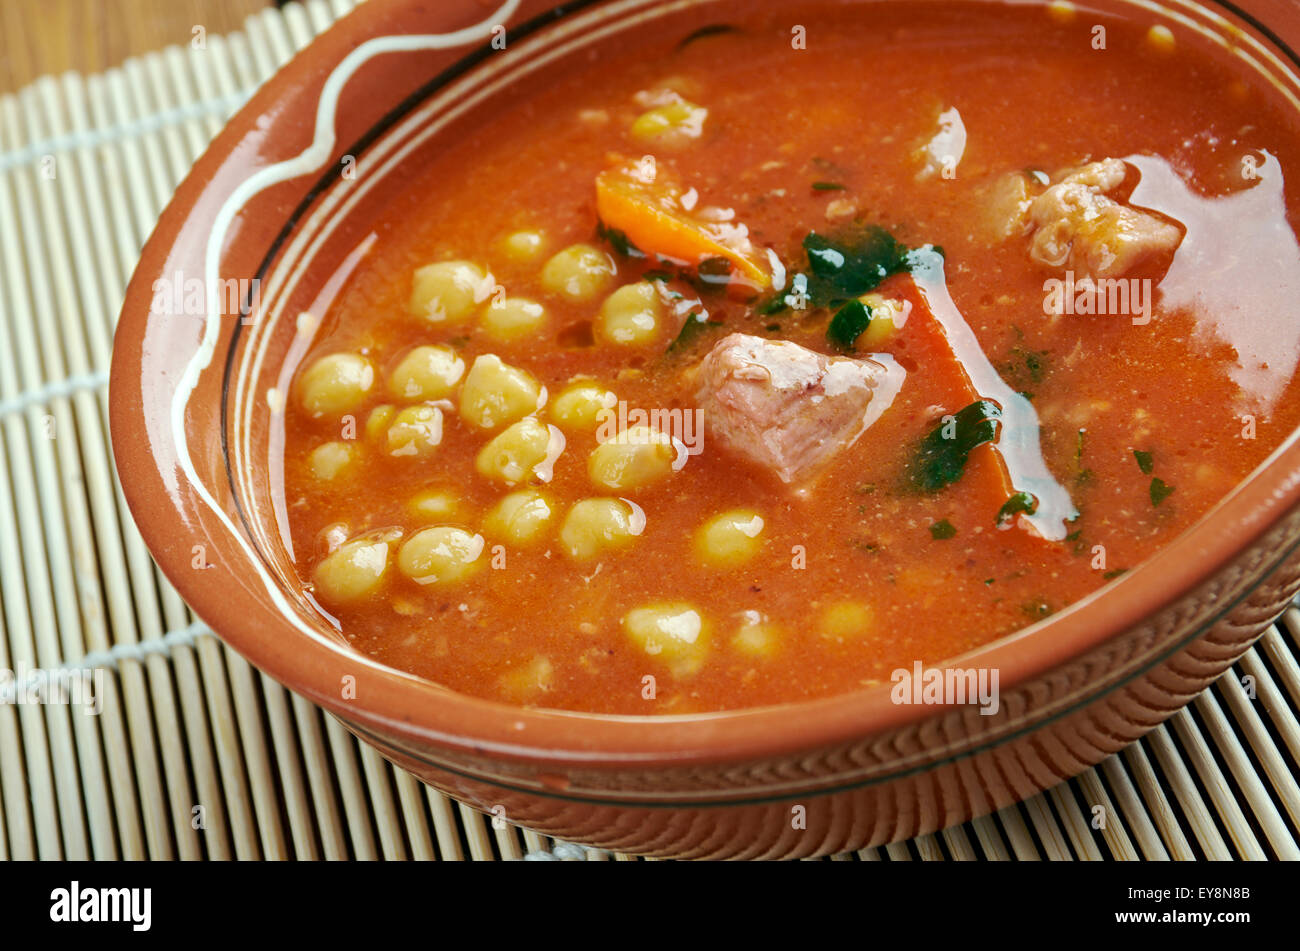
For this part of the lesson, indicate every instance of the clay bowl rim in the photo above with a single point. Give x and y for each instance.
(418, 712)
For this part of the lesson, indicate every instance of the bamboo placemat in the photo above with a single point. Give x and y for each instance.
(197, 755)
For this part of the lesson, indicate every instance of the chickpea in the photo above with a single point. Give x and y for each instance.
(1062, 11)
(524, 450)
(377, 422)
(523, 247)
(579, 272)
(513, 318)
(426, 373)
(435, 505)
(730, 538)
(888, 315)
(449, 292)
(672, 631)
(579, 406)
(329, 459)
(522, 684)
(336, 384)
(415, 431)
(596, 525)
(330, 538)
(496, 393)
(672, 124)
(631, 316)
(354, 571)
(634, 459)
(846, 619)
(521, 518)
(756, 636)
(1161, 39)
(443, 554)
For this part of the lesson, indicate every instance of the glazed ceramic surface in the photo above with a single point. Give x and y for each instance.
(273, 219)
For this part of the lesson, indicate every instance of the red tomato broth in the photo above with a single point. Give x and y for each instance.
(851, 109)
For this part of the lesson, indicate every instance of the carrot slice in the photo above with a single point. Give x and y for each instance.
(644, 201)
(923, 341)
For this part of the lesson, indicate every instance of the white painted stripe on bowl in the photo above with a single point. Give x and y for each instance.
(311, 160)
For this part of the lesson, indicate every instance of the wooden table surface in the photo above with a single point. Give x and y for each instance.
(88, 36)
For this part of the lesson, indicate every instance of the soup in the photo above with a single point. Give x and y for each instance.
(764, 362)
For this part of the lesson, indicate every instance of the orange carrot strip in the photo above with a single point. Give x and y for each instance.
(923, 341)
(642, 200)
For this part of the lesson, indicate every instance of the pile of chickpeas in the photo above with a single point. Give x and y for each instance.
(524, 431)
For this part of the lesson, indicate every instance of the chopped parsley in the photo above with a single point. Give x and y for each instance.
(1025, 365)
(697, 324)
(618, 240)
(848, 323)
(1037, 608)
(1082, 476)
(842, 267)
(941, 457)
(1018, 503)
(1160, 491)
(828, 187)
(942, 530)
(1143, 461)
(852, 263)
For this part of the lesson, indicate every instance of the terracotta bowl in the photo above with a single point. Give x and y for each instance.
(196, 386)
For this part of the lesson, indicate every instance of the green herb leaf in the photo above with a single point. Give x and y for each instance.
(1037, 608)
(848, 264)
(1024, 366)
(849, 321)
(942, 530)
(1160, 491)
(852, 263)
(1020, 502)
(828, 187)
(941, 456)
(796, 296)
(697, 324)
(1114, 573)
(618, 240)
(1143, 461)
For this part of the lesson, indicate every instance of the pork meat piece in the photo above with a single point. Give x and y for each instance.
(1076, 225)
(789, 409)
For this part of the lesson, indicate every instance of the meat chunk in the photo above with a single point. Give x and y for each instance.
(1076, 225)
(789, 409)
